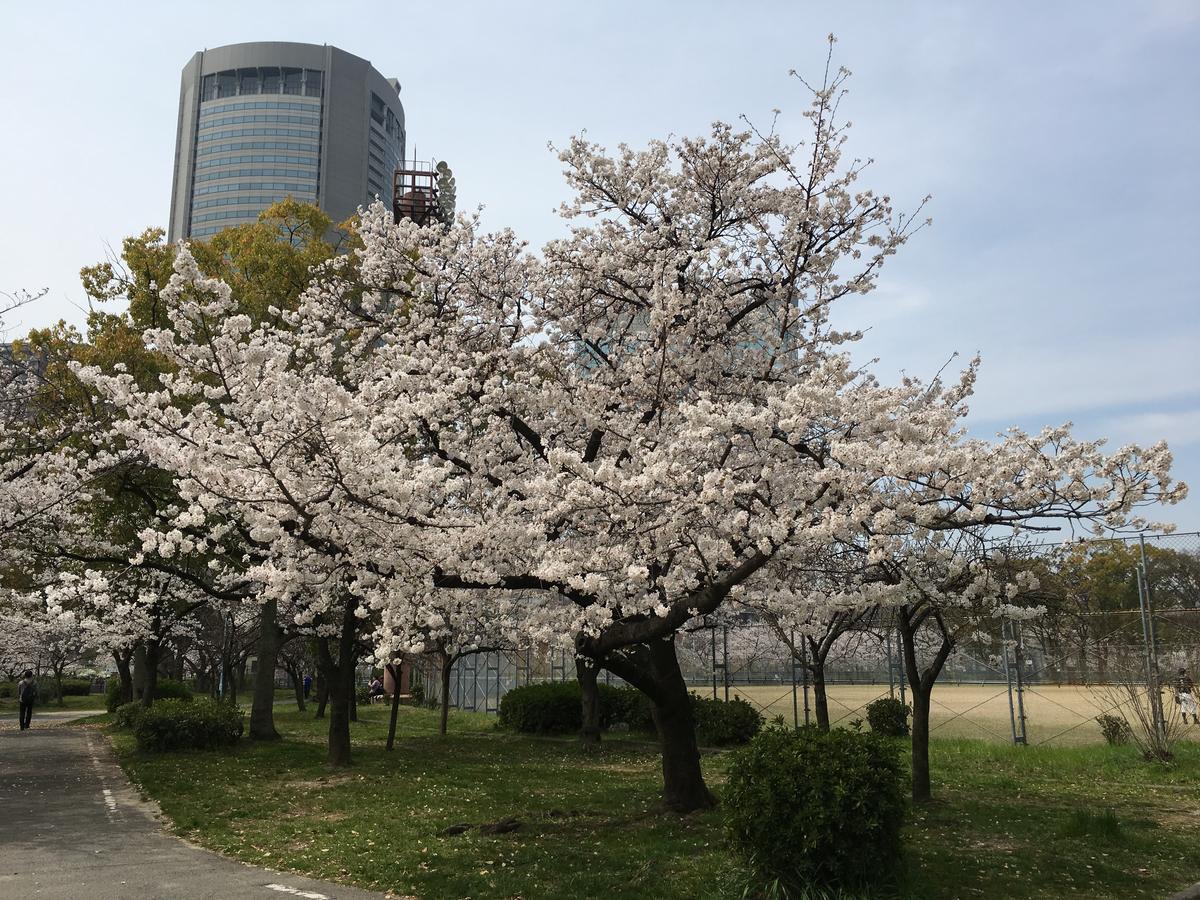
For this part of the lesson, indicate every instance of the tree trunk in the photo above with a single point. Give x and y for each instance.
(394, 670)
(653, 669)
(297, 686)
(921, 786)
(322, 695)
(262, 709)
(139, 671)
(122, 659)
(339, 683)
(909, 621)
(447, 662)
(229, 688)
(820, 698)
(150, 651)
(58, 670)
(339, 726)
(589, 732)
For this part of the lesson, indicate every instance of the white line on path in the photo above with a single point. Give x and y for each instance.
(296, 892)
(110, 802)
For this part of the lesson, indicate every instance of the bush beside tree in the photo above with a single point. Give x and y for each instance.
(125, 716)
(1116, 730)
(201, 724)
(549, 707)
(811, 809)
(888, 716)
(554, 708)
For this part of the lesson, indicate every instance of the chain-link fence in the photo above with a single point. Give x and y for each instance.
(1119, 614)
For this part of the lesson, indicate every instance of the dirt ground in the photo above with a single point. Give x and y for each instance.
(1058, 715)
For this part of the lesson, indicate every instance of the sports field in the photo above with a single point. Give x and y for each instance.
(1054, 714)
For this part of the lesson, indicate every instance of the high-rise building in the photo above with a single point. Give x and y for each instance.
(262, 121)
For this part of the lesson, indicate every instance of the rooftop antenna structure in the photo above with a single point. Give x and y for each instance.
(415, 192)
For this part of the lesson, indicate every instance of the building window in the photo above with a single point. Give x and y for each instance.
(247, 81)
(208, 87)
(304, 162)
(222, 108)
(270, 79)
(377, 107)
(293, 81)
(227, 84)
(312, 82)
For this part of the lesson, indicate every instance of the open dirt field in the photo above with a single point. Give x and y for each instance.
(1059, 715)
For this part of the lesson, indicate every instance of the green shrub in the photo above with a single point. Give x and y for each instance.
(554, 707)
(76, 687)
(164, 689)
(723, 723)
(1116, 730)
(126, 715)
(201, 724)
(548, 707)
(170, 689)
(888, 716)
(813, 809)
(8, 689)
(416, 695)
(625, 705)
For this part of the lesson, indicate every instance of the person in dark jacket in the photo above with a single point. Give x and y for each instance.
(27, 692)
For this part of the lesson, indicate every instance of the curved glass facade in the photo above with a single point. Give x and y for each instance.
(226, 116)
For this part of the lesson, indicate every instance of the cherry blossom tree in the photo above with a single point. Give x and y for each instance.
(652, 419)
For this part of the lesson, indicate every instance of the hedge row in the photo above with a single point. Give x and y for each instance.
(164, 689)
(555, 708)
(71, 687)
(201, 724)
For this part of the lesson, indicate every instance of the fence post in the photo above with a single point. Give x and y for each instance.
(891, 663)
(795, 698)
(457, 670)
(725, 659)
(1012, 676)
(1152, 686)
(494, 664)
(1162, 721)
(1008, 679)
(804, 671)
(713, 627)
(1019, 652)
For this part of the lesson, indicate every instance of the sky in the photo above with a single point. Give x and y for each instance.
(1060, 143)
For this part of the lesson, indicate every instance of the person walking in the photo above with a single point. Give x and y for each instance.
(1185, 696)
(27, 691)
(307, 685)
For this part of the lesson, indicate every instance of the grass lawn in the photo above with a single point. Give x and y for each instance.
(1009, 822)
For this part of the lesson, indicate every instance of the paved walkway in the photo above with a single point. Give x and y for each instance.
(43, 717)
(71, 826)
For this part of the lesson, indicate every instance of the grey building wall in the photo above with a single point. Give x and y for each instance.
(262, 121)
